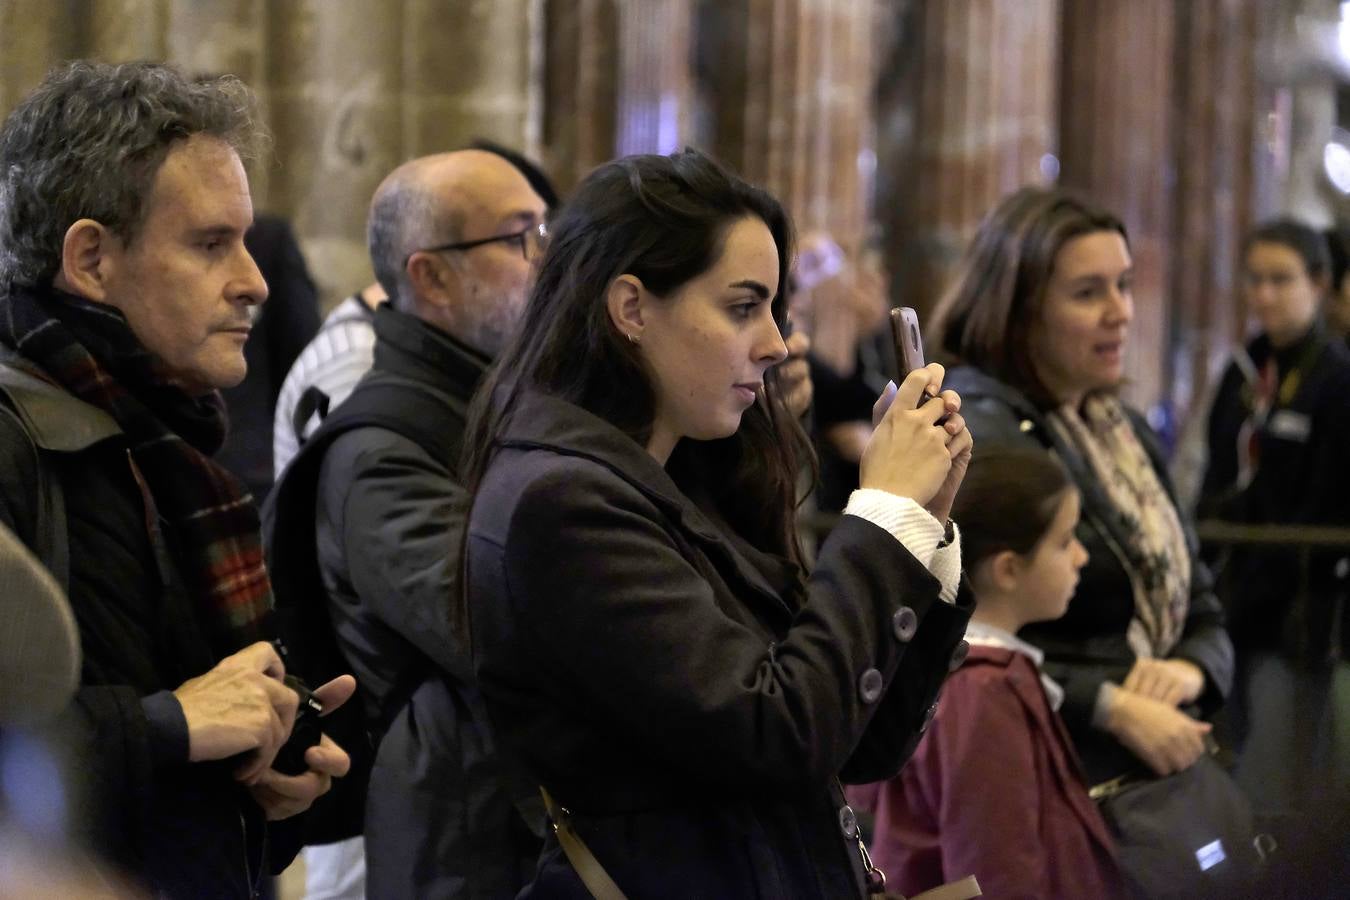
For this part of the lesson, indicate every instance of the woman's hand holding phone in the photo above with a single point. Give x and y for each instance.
(910, 454)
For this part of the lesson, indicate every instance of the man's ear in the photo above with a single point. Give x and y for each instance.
(86, 261)
(624, 300)
(430, 282)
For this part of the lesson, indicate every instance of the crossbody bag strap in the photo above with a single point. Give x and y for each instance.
(588, 868)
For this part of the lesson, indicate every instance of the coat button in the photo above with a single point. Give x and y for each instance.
(870, 686)
(928, 717)
(905, 623)
(958, 656)
(848, 823)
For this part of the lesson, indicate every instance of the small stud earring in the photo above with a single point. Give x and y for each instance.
(634, 339)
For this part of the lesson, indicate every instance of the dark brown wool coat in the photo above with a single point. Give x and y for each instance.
(679, 691)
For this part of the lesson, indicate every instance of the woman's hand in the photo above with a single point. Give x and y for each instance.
(1171, 681)
(1164, 738)
(909, 454)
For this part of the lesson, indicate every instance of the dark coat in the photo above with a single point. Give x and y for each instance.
(682, 693)
(440, 822)
(186, 829)
(1303, 478)
(1087, 646)
(995, 790)
(284, 325)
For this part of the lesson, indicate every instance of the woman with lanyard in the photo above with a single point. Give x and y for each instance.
(1279, 442)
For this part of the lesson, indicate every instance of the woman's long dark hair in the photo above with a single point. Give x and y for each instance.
(662, 219)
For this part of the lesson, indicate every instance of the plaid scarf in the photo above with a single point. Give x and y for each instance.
(88, 349)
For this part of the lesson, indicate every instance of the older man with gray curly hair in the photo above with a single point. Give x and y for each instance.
(125, 293)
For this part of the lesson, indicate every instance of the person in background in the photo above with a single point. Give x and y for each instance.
(324, 373)
(281, 328)
(1279, 442)
(370, 504)
(334, 361)
(841, 304)
(648, 646)
(995, 788)
(1036, 327)
(1337, 308)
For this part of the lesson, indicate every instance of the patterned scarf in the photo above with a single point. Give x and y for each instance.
(89, 349)
(1159, 564)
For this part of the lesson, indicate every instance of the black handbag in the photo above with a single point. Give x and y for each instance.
(1190, 834)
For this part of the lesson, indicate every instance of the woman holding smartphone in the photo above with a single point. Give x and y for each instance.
(1037, 324)
(647, 643)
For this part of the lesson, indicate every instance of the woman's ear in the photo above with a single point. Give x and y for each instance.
(86, 254)
(624, 301)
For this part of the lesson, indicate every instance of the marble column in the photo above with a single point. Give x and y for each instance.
(1117, 85)
(1220, 153)
(581, 78)
(655, 88)
(967, 113)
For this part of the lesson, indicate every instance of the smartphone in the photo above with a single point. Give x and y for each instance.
(908, 345)
(290, 759)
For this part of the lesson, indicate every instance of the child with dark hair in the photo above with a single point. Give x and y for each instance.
(995, 788)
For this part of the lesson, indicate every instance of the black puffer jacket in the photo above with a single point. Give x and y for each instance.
(440, 820)
(1087, 646)
(187, 830)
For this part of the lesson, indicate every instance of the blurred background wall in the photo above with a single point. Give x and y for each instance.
(889, 124)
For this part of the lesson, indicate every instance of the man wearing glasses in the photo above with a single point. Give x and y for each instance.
(369, 509)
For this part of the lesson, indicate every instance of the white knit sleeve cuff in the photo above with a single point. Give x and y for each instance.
(946, 565)
(916, 528)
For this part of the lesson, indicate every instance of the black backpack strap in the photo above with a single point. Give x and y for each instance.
(302, 616)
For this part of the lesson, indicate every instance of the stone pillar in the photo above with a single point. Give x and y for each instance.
(967, 114)
(1115, 136)
(333, 79)
(1219, 150)
(1303, 66)
(34, 34)
(785, 98)
(655, 87)
(581, 77)
(465, 74)
(122, 30)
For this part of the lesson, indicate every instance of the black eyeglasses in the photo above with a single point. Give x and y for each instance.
(529, 239)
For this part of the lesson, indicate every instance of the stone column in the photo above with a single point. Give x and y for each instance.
(465, 74)
(334, 77)
(967, 114)
(785, 98)
(1219, 151)
(655, 87)
(581, 76)
(34, 34)
(1116, 143)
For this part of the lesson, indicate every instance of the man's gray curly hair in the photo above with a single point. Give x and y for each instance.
(87, 143)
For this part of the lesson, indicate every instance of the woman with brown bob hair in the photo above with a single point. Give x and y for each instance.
(1035, 329)
(648, 645)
